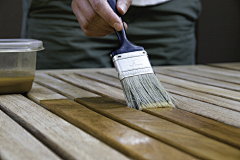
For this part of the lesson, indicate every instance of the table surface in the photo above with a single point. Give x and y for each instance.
(82, 114)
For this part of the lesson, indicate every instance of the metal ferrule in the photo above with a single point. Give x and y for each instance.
(132, 64)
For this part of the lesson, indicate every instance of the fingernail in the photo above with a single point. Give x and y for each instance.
(123, 7)
(117, 26)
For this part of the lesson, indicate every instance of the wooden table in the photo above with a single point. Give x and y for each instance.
(81, 114)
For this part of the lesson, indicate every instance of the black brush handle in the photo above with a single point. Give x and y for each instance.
(125, 45)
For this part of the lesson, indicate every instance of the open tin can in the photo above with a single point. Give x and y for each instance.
(18, 64)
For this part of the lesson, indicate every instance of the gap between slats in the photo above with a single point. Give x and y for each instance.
(90, 121)
(210, 133)
(17, 143)
(204, 109)
(211, 99)
(66, 140)
(232, 66)
(218, 113)
(113, 113)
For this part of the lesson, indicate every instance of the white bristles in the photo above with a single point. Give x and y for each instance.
(145, 91)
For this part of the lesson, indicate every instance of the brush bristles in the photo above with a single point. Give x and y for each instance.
(145, 91)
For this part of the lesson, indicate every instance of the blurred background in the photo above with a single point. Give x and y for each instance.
(217, 30)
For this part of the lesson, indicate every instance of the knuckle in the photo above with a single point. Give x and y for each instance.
(108, 18)
(91, 16)
(97, 5)
(85, 25)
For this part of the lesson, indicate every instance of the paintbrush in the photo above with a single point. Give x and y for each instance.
(140, 85)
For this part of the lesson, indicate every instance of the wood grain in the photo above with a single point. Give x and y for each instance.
(60, 86)
(112, 81)
(128, 141)
(103, 128)
(234, 66)
(149, 124)
(220, 114)
(198, 78)
(200, 87)
(212, 99)
(203, 125)
(212, 69)
(219, 101)
(64, 139)
(93, 86)
(212, 111)
(16, 143)
(193, 74)
(111, 73)
(43, 94)
(170, 133)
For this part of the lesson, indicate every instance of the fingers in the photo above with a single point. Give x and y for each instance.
(103, 9)
(91, 23)
(97, 18)
(125, 25)
(123, 6)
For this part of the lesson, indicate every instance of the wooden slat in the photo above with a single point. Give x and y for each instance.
(112, 81)
(132, 143)
(16, 143)
(44, 94)
(199, 77)
(128, 141)
(217, 113)
(70, 70)
(177, 136)
(223, 102)
(208, 110)
(120, 113)
(234, 66)
(41, 77)
(98, 88)
(215, 100)
(60, 136)
(203, 125)
(213, 111)
(111, 73)
(212, 69)
(200, 87)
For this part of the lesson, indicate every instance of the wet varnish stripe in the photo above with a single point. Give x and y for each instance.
(179, 137)
(202, 108)
(200, 96)
(124, 139)
(62, 87)
(206, 126)
(128, 141)
(66, 140)
(190, 85)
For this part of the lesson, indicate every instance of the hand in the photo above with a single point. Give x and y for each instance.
(96, 17)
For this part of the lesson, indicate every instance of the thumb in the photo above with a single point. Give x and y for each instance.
(123, 5)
